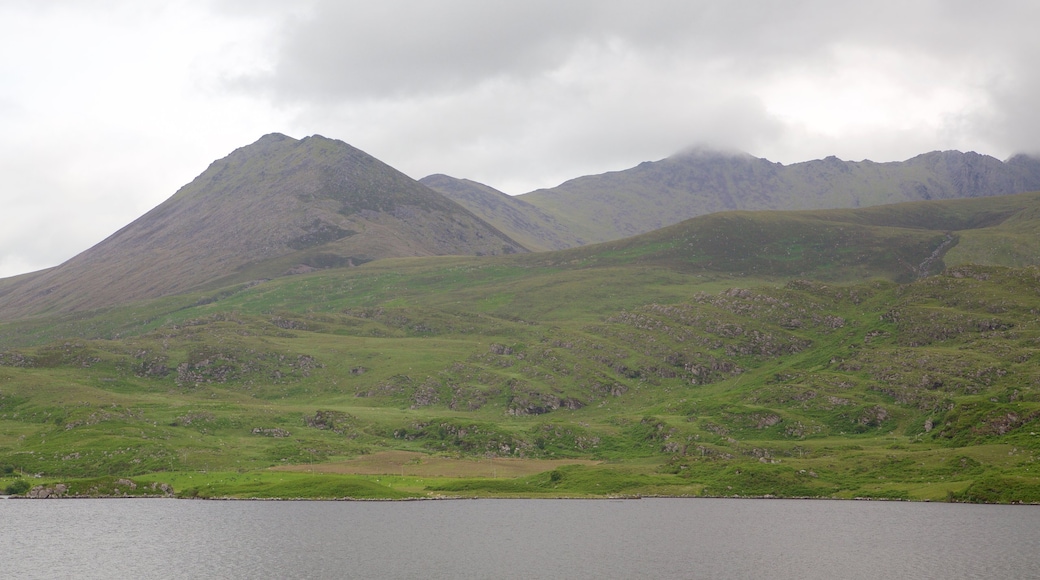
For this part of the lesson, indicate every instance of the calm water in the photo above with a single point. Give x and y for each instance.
(649, 538)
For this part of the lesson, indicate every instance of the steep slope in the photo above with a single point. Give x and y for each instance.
(697, 182)
(534, 228)
(277, 206)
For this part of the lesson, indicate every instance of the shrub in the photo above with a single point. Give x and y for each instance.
(17, 488)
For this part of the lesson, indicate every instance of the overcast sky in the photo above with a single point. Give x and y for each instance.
(107, 107)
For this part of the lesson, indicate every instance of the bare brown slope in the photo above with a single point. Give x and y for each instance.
(276, 206)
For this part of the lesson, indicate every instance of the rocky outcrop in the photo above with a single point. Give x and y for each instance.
(42, 492)
(121, 487)
(270, 432)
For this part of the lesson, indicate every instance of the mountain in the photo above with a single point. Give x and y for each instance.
(277, 206)
(284, 206)
(652, 195)
(536, 229)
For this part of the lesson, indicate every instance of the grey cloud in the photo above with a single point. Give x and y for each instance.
(354, 49)
(1011, 121)
(395, 47)
(522, 135)
(336, 54)
(349, 50)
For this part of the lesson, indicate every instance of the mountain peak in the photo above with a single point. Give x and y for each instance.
(705, 152)
(273, 138)
(268, 142)
(277, 206)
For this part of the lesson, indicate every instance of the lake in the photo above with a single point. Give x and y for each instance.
(647, 538)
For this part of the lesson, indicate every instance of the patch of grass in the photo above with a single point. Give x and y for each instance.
(997, 489)
(569, 481)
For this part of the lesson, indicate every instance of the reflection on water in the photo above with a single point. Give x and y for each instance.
(648, 538)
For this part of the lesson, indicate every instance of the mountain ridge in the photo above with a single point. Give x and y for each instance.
(286, 206)
(699, 181)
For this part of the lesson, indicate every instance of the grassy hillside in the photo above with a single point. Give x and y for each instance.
(876, 389)
(662, 369)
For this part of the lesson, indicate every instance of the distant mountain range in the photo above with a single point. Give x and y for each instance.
(599, 208)
(286, 206)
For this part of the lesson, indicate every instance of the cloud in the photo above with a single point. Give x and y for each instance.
(356, 50)
(336, 50)
(107, 109)
(577, 118)
(589, 84)
(1011, 122)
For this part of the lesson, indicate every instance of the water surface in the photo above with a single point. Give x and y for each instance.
(648, 538)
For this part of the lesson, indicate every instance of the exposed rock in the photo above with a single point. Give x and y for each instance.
(500, 349)
(42, 492)
(270, 432)
(119, 488)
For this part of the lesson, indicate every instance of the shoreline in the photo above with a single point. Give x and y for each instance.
(472, 498)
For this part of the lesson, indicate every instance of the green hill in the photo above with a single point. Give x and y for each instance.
(745, 353)
(898, 242)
